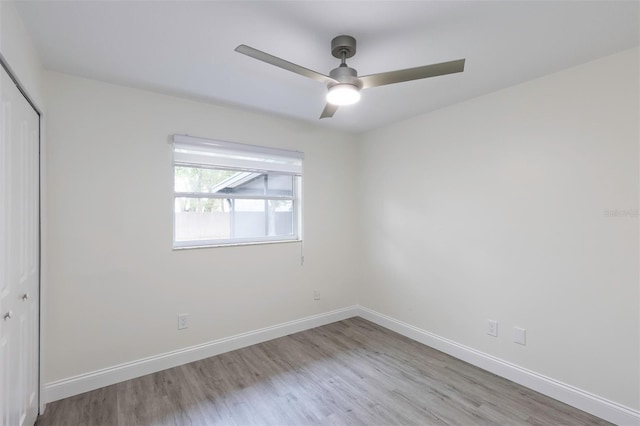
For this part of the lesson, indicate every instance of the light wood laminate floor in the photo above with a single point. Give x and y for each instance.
(351, 372)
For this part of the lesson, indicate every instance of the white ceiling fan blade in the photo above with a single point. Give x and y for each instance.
(409, 74)
(329, 110)
(281, 63)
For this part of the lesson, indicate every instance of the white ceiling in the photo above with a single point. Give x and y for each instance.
(186, 47)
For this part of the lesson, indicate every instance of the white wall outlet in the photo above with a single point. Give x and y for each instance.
(316, 295)
(492, 328)
(520, 336)
(183, 321)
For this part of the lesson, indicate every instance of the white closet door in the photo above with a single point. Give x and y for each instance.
(19, 256)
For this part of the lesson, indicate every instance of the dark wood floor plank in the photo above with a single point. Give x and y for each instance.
(351, 372)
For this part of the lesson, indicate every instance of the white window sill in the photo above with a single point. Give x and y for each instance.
(252, 243)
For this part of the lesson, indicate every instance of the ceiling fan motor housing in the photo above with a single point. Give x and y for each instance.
(345, 75)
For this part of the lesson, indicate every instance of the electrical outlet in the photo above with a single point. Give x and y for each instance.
(492, 328)
(316, 295)
(520, 336)
(183, 321)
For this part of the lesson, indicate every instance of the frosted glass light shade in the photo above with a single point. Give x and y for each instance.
(343, 94)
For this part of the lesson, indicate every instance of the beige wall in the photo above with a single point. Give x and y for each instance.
(115, 286)
(500, 208)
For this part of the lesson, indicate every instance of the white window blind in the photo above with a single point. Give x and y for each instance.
(200, 152)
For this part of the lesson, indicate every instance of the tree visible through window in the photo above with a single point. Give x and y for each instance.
(194, 179)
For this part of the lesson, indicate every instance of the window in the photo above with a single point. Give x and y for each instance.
(230, 193)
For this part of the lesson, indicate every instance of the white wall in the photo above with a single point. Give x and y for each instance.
(115, 286)
(18, 50)
(496, 208)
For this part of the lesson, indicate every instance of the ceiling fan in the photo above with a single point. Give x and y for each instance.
(343, 83)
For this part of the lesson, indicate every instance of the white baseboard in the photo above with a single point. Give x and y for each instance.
(108, 376)
(563, 392)
(568, 394)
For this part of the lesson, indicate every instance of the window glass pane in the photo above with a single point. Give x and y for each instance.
(208, 181)
(200, 219)
(246, 206)
(280, 184)
(281, 218)
(269, 184)
(249, 218)
(195, 179)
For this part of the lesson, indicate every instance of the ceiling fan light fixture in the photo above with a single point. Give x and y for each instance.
(343, 94)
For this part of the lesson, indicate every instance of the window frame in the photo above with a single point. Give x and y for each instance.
(295, 198)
